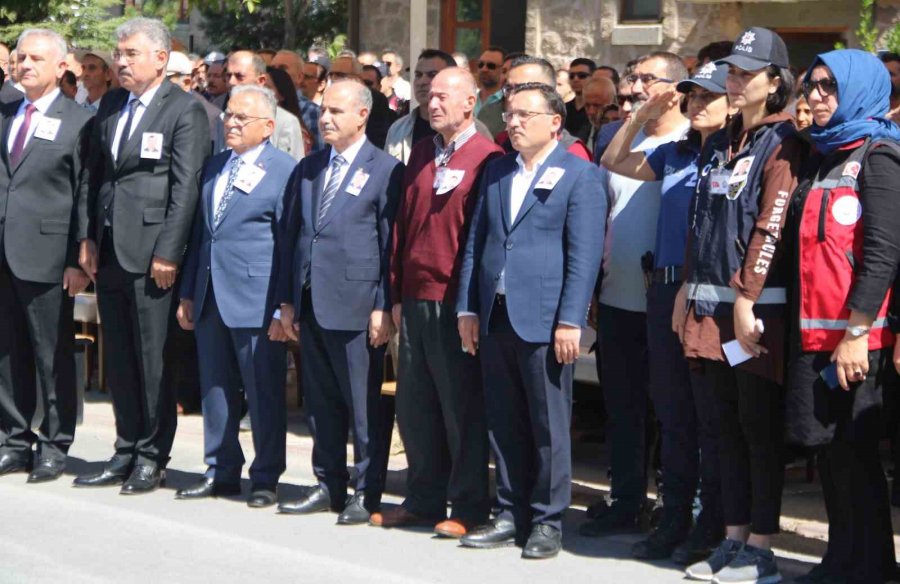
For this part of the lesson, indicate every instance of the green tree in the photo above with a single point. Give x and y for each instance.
(866, 32)
(892, 39)
(83, 23)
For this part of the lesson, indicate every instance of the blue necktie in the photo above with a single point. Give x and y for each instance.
(331, 189)
(236, 164)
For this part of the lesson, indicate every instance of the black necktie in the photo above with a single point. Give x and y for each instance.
(132, 107)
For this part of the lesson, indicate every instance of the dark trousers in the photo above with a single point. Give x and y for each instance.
(684, 408)
(37, 338)
(623, 361)
(751, 437)
(342, 375)
(232, 359)
(529, 410)
(135, 317)
(440, 412)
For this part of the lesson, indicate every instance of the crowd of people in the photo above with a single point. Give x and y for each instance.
(727, 223)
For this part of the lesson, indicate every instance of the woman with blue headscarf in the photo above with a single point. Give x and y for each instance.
(846, 216)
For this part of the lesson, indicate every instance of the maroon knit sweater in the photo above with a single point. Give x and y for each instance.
(430, 230)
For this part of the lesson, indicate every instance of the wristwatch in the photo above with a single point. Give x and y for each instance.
(857, 331)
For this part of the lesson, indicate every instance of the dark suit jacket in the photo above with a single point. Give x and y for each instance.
(551, 253)
(346, 258)
(9, 93)
(154, 199)
(237, 256)
(40, 197)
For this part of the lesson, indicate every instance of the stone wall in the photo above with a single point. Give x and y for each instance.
(385, 23)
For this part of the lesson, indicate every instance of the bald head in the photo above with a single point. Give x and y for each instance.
(451, 102)
(291, 63)
(598, 94)
(245, 68)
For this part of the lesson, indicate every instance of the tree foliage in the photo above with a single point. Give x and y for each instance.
(83, 23)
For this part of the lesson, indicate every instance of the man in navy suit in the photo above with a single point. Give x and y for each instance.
(226, 298)
(530, 265)
(334, 291)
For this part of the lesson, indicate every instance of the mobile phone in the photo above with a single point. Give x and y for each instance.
(830, 377)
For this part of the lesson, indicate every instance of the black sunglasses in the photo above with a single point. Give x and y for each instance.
(826, 86)
(488, 66)
(579, 75)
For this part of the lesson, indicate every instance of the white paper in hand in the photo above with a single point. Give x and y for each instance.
(735, 353)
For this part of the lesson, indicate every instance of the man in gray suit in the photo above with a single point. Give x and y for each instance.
(41, 182)
(147, 148)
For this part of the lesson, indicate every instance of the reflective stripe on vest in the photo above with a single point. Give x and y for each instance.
(835, 325)
(713, 293)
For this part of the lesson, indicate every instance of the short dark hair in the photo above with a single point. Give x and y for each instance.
(584, 61)
(546, 68)
(69, 77)
(714, 51)
(777, 101)
(373, 68)
(496, 49)
(514, 55)
(444, 56)
(555, 103)
(675, 69)
(889, 57)
(630, 66)
(613, 73)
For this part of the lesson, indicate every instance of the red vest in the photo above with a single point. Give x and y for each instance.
(830, 248)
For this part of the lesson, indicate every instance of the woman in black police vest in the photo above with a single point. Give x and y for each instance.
(846, 223)
(734, 293)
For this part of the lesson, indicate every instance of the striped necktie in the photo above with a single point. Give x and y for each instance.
(236, 164)
(331, 189)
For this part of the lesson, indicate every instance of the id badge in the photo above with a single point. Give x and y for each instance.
(718, 181)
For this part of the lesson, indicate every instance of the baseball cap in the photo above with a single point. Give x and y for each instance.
(710, 77)
(322, 60)
(179, 64)
(104, 56)
(214, 57)
(757, 48)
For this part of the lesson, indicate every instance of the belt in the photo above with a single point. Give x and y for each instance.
(667, 275)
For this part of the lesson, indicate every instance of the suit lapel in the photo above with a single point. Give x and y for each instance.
(112, 120)
(10, 111)
(318, 185)
(506, 194)
(147, 120)
(209, 189)
(555, 159)
(366, 153)
(54, 111)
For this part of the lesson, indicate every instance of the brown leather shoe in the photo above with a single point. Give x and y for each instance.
(453, 528)
(399, 517)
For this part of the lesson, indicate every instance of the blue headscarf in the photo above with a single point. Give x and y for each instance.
(864, 89)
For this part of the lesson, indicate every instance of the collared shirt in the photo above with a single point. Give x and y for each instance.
(443, 154)
(349, 155)
(492, 98)
(41, 105)
(249, 157)
(310, 113)
(92, 107)
(145, 100)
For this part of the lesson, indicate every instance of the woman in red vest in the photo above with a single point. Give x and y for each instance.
(846, 215)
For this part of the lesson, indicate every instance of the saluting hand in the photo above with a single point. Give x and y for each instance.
(87, 258)
(291, 329)
(185, 314)
(75, 281)
(565, 343)
(163, 272)
(468, 332)
(380, 328)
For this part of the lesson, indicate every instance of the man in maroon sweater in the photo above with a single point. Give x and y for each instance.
(440, 405)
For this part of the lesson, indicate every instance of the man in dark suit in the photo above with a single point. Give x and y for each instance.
(227, 295)
(530, 265)
(141, 208)
(8, 90)
(333, 288)
(41, 182)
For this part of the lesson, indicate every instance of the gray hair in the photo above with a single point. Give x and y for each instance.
(151, 28)
(53, 36)
(264, 93)
(467, 83)
(256, 62)
(362, 94)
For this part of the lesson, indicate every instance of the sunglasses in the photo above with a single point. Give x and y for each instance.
(579, 75)
(488, 66)
(826, 86)
(646, 79)
(369, 83)
(388, 64)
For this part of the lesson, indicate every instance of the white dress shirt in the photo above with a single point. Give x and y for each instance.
(40, 109)
(145, 100)
(349, 155)
(249, 157)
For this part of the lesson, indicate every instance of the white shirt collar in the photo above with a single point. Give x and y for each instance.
(349, 155)
(42, 104)
(537, 163)
(146, 97)
(249, 157)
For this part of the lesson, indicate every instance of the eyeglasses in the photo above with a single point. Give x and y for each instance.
(240, 119)
(646, 79)
(578, 75)
(521, 115)
(488, 66)
(130, 55)
(826, 86)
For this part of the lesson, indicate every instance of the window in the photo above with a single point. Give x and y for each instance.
(641, 11)
(465, 26)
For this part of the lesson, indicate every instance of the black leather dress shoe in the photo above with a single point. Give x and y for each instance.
(10, 463)
(545, 541)
(108, 477)
(355, 512)
(262, 496)
(46, 470)
(144, 479)
(498, 533)
(208, 487)
(315, 501)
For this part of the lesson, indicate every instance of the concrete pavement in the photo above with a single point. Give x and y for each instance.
(56, 533)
